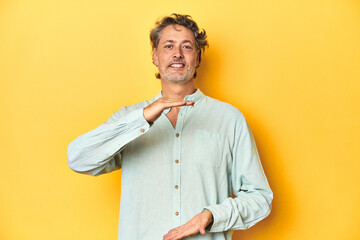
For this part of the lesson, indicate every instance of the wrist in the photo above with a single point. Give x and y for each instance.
(208, 214)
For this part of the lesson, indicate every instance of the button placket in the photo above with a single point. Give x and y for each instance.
(176, 168)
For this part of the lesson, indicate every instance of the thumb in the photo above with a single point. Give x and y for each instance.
(202, 230)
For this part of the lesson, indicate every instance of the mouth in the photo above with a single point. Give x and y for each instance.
(176, 65)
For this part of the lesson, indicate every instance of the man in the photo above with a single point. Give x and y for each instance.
(183, 155)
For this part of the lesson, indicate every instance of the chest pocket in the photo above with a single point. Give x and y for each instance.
(207, 148)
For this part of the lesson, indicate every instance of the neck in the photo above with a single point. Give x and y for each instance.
(177, 91)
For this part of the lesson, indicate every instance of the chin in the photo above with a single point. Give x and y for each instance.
(177, 79)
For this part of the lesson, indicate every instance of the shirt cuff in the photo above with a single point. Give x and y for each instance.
(210, 225)
(219, 222)
(136, 119)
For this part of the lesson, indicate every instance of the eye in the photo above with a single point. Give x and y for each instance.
(187, 47)
(168, 46)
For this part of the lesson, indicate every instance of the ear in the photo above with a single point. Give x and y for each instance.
(154, 57)
(198, 60)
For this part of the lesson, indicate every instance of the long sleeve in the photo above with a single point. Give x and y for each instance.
(99, 151)
(253, 196)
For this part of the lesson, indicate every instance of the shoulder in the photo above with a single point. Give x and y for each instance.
(223, 108)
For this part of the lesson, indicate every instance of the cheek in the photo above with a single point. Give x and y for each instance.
(163, 60)
(194, 60)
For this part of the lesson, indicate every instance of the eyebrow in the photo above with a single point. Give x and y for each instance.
(173, 41)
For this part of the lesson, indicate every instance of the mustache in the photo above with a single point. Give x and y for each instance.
(177, 61)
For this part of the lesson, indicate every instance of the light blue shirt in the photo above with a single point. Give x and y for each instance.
(169, 175)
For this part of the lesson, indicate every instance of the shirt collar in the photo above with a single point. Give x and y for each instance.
(197, 96)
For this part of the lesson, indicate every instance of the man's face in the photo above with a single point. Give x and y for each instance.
(176, 56)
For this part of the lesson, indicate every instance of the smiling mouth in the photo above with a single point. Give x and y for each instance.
(177, 65)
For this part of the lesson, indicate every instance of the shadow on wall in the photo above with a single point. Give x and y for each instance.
(208, 74)
(283, 211)
(282, 215)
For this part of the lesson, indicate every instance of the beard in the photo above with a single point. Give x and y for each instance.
(175, 77)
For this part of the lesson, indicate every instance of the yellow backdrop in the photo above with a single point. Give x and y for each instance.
(292, 67)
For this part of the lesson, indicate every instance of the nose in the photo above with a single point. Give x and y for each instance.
(178, 53)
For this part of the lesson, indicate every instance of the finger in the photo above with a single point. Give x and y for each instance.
(170, 100)
(172, 237)
(181, 102)
(202, 230)
(170, 234)
(174, 104)
(190, 103)
(180, 233)
(177, 233)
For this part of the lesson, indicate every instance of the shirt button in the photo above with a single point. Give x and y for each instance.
(176, 213)
(142, 130)
(177, 135)
(176, 186)
(176, 161)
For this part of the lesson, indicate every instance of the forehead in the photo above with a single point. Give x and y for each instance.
(176, 33)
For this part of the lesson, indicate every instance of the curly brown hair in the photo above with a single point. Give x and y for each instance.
(183, 20)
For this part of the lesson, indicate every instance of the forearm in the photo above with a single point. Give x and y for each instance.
(98, 149)
(241, 212)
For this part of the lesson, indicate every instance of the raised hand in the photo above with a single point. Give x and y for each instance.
(154, 110)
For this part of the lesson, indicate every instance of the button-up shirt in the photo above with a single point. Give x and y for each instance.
(208, 161)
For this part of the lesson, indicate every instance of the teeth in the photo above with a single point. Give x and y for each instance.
(177, 65)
